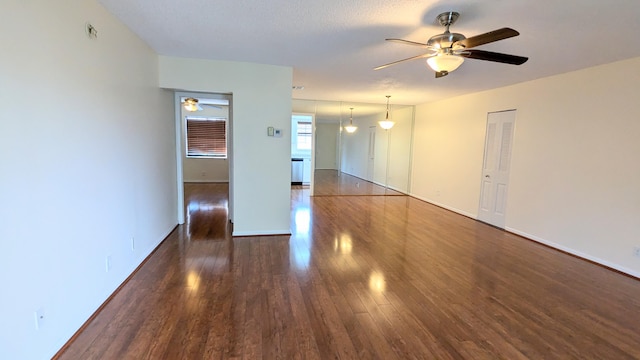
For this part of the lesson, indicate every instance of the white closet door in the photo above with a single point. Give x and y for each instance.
(371, 156)
(495, 170)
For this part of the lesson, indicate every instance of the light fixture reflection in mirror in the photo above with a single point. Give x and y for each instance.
(343, 244)
(351, 128)
(386, 123)
(343, 153)
(376, 282)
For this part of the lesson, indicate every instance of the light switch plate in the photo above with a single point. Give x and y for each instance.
(270, 131)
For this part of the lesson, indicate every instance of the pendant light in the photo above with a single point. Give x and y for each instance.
(386, 123)
(351, 128)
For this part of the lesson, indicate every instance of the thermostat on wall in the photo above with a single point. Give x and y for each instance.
(274, 132)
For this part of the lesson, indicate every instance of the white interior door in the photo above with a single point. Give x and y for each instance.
(371, 156)
(495, 170)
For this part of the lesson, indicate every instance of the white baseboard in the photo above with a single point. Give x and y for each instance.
(398, 190)
(540, 240)
(261, 233)
(206, 181)
(574, 252)
(464, 213)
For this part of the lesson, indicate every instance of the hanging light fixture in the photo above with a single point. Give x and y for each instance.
(351, 128)
(191, 104)
(386, 123)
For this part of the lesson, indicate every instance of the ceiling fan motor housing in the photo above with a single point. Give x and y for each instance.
(445, 40)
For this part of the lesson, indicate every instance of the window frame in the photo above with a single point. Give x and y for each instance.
(306, 136)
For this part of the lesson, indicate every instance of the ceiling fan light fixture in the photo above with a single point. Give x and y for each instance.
(445, 62)
(191, 104)
(351, 128)
(387, 123)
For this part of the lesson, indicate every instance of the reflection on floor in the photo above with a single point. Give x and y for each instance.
(333, 182)
(206, 209)
(361, 277)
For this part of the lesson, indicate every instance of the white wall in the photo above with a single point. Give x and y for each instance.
(575, 169)
(87, 159)
(204, 169)
(394, 144)
(261, 172)
(400, 136)
(355, 150)
(327, 145)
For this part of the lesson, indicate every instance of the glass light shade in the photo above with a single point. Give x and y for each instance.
(386, 124)
(445, 62)
(350, 128)
(191, 104)
(191, 107)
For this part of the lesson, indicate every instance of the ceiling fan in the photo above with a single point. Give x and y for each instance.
(446, 51)
(193, 104)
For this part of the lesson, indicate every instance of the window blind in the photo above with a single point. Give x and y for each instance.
(207, 137)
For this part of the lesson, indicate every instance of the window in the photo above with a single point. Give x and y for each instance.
(304, 135)
(206, 137)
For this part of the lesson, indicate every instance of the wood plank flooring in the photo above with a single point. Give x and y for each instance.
(362, 277)
(332, 183)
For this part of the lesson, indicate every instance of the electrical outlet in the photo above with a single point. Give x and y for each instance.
(39, 318)
(636, 251)
(107, 263)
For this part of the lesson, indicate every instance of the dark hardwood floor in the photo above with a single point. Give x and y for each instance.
(333, 182)
(369, 277)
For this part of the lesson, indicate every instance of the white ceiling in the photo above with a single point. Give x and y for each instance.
(333, 45)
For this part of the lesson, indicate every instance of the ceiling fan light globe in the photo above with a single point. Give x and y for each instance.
(350, 128)
(191, 107)
(191, 104)
(445, 62)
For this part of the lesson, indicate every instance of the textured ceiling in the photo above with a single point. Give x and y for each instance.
(333, 45)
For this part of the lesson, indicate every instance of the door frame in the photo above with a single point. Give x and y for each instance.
(181, 147)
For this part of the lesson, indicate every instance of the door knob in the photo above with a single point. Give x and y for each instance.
(487, 176)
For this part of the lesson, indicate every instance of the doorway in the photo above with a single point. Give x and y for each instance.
(204, 151)
(496, 166)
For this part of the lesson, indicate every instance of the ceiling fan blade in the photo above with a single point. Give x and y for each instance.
(494, 56)
(486, 38)
(440, 74)
(213, 106)
(407, 42)
(403, 60)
